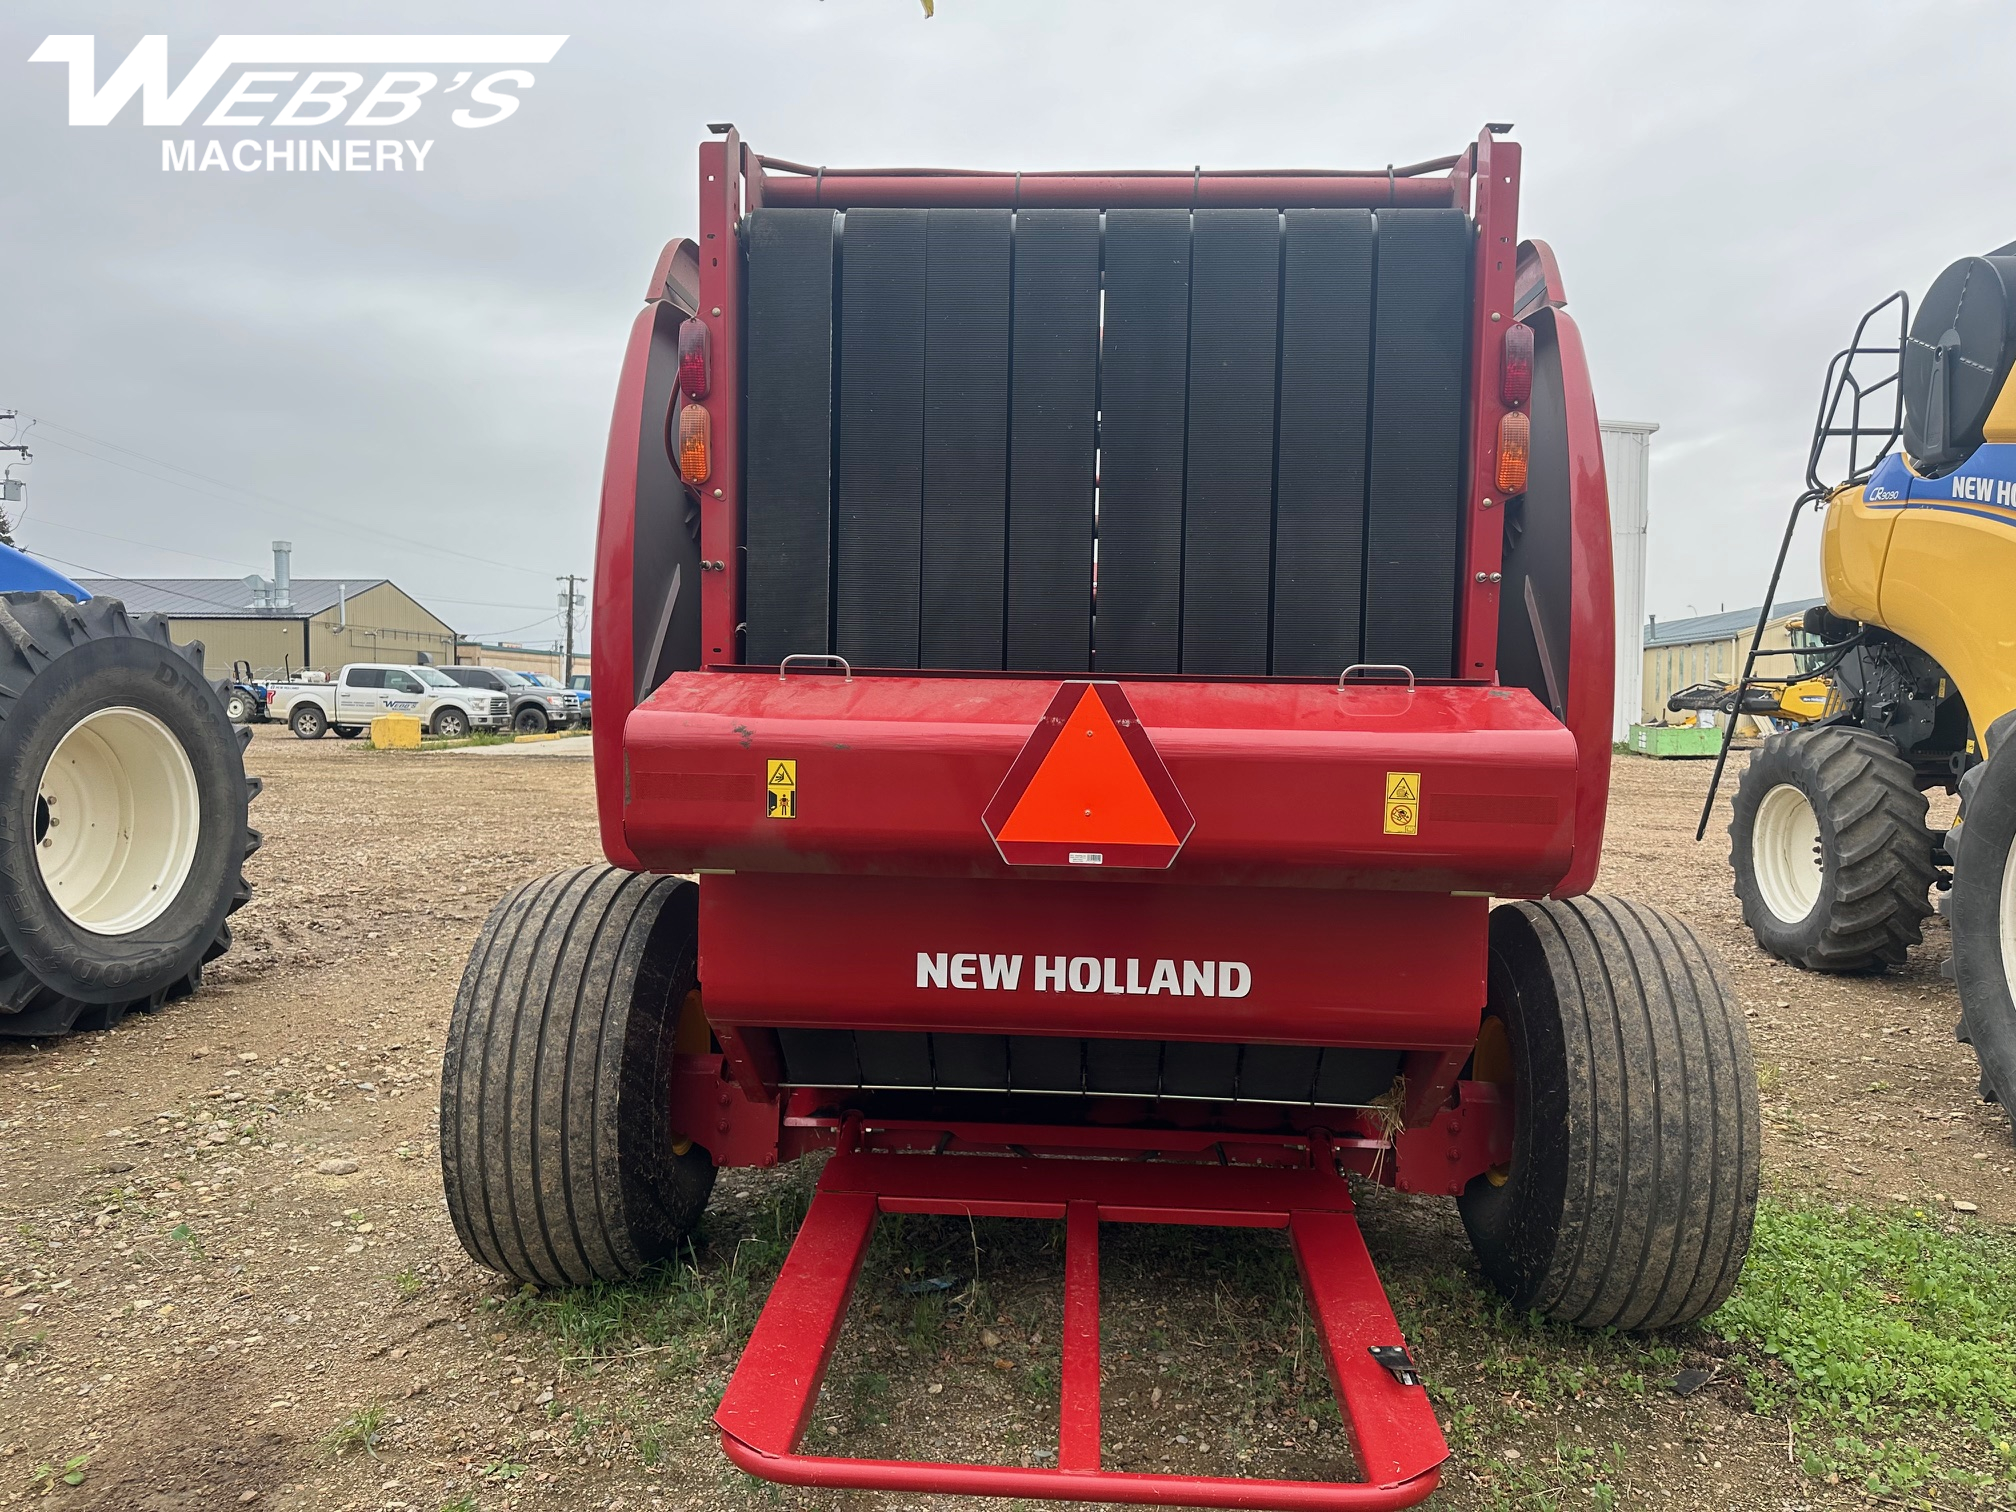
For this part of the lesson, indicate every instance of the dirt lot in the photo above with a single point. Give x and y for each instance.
(231, 1279)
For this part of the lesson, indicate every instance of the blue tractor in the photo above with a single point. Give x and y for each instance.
(123, 808)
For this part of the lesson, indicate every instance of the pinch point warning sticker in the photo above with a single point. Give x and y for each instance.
(782, 780)
(1403, 803)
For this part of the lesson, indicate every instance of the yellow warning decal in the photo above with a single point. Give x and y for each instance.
(1403, 803)
(783, 785)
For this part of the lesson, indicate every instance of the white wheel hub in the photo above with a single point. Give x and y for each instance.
(2007, 920)
(1785, 853)
(117, 820)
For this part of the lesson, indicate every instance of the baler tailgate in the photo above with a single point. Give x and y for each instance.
(769, 1402)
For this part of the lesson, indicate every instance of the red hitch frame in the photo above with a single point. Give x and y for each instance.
(770, 1401)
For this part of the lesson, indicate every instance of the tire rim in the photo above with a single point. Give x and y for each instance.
(1786, 855)
(117, 821)
(2008, 920)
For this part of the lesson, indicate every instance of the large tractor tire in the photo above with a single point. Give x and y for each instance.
(1633, 1181)
(123, 833)
(1832, 858)
(238, 707)
(557, 1149)
(1983, 914)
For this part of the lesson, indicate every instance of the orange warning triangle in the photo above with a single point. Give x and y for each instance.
(1088, 790)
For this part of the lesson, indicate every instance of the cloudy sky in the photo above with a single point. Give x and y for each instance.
(409, 375)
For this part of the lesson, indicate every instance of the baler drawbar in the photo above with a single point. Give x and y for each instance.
(1080, 656)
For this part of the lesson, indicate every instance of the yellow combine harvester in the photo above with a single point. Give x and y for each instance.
(1916, 643)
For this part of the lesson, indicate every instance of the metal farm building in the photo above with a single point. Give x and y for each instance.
(285, 624)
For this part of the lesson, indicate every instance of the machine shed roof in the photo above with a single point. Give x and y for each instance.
(222, 598)
(1717, 627)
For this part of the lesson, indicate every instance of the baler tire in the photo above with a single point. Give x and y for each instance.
(160, 754)
(1875, 852)
(1983, 915)
(557, 1151)
(1632, 1188)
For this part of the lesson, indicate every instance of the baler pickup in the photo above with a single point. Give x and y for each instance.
(770, 1401)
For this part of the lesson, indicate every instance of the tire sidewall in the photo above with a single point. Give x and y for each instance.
(1515, 1228)
(655, 1199)
(1986, 1008)
(308, 722)
(530, 720)
(1782, 761)
(137, 672)
(451, 724)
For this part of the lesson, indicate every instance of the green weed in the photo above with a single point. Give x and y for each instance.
(363, 1429)
(46, 1477)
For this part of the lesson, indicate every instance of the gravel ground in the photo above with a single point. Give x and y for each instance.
(229, 1278)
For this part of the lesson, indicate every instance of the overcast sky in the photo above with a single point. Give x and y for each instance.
(409, 375)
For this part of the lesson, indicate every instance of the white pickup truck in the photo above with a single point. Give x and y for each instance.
(348, 702)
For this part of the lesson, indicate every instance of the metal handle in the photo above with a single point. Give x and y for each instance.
(1345, 676)
(818, 656)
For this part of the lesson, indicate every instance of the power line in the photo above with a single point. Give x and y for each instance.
(171, 550)
(236, 608)
(517, 630)
(300, 509)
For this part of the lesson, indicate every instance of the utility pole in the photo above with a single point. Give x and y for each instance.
(570, 601)
(10, 486)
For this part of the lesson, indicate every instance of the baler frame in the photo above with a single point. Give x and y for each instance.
(1333, 845)
(770, 1400)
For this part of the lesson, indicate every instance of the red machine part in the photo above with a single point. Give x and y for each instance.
(1312, 967)
(1287, 781)
(770, 1400)
(1593, 613)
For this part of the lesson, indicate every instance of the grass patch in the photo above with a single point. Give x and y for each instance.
(1881, 1334)
(363, 1429)
(691, 1317)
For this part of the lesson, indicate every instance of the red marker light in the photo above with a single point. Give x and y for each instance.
(1515, 376)
(696, 360)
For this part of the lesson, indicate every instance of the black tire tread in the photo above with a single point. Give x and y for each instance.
(1876, 896)
(35, 629)
(1661, 1123)
(558, 1165)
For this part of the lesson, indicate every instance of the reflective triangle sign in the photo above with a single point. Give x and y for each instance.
(1088, 789)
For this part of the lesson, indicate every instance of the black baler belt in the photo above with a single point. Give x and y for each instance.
(1413, 511)
(1142, 381)
(965, 516)
(878, 540)
(788, 419)
(1229, 485)
(1054, 396)
(1319, 507)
